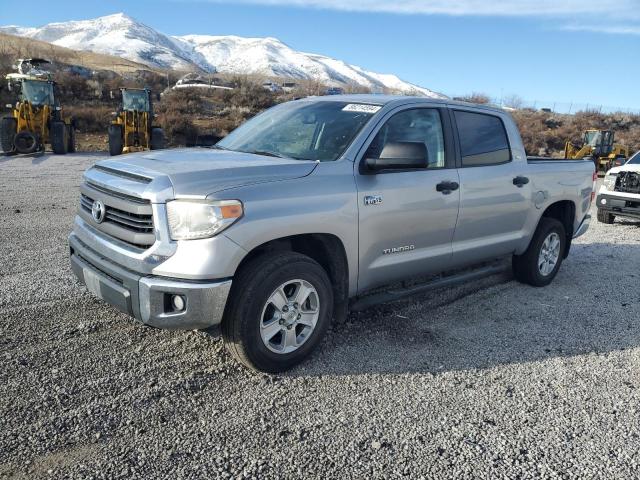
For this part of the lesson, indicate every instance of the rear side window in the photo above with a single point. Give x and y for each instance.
(483, 139)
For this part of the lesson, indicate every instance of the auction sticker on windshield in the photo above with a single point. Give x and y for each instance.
(361, 107)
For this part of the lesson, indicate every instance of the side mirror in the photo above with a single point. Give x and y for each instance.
(400, 156)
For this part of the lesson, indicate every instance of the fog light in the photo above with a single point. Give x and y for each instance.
(177, 302)
(603, 201)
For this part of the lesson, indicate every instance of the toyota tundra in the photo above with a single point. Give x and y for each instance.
(319, 206)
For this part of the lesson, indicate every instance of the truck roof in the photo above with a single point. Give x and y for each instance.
(376, 99)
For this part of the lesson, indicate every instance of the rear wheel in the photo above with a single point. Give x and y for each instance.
(539, 265)
(115, 140)
(59, 133)
(605, 217)
(157, 138)
(279, 310)
(8, 127)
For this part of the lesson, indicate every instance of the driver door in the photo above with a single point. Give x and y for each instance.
(407, 218)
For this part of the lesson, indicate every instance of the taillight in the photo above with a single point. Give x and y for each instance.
(594, 177)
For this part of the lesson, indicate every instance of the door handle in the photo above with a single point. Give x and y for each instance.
(447, 187)
(520, 181)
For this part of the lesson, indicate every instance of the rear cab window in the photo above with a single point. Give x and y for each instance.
(483, 139)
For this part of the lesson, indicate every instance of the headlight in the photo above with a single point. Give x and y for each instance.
(190, 220)
(610, 181)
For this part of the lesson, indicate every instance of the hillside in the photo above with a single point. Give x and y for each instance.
(125, 37)
(13, 47)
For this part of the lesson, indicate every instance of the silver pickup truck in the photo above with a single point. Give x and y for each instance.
(319, 206)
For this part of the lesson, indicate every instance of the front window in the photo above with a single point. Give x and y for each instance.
(135, 100)
(592, 138)
(421, 126)
(302, 130)
(37, 93)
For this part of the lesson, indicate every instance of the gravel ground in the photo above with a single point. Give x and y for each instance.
(494, 379)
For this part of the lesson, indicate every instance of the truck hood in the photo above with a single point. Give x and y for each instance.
(198, 172)
(634, 167)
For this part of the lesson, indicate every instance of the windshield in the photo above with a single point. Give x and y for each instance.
(38, 93)
(301, 130)
(133, 100)
(635, 159)
(592, 138)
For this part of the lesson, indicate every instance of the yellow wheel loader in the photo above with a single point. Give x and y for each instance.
(599, 146)
(132, 129)
(36, 119)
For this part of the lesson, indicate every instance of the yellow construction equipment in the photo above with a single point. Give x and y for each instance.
(36, 118)
(132, 129)
(599, 146)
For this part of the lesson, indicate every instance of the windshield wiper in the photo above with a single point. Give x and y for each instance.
(268, 153)
(218, 147)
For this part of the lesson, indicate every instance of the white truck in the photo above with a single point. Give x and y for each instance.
(619, 195)
(318, 206)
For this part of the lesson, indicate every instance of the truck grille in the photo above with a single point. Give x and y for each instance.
(628, 182)
(128, 219)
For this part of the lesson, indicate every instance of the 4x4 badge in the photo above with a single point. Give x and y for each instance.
(372, 199)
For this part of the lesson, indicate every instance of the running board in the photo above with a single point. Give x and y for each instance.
(391, 295)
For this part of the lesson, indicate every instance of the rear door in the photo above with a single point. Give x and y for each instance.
(406, 221)
(495, 191)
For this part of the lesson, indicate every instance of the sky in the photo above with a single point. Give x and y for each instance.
(571, 53)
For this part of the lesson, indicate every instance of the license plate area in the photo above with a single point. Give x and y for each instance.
(102, 286)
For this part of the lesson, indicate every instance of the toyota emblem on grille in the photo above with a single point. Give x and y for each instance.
(98, 211)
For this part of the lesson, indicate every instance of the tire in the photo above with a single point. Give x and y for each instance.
(59, 134)
(26, 142)
(157, 138)
(250, 304)
(71, 146)
(8, 127)
(115, 140)
(605, 217)
(526, 267)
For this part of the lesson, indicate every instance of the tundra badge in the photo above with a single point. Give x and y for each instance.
(406, 248)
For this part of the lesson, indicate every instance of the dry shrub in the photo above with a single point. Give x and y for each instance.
(90, 118)
(178, 129)
(548, 132)
(475, 97)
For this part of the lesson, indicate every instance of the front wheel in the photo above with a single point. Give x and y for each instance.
(71, 146)
(8, 127)
(539, 265)
(59, 137)
(280, 307)
(605, 217)
(115, 139)
(157, 138)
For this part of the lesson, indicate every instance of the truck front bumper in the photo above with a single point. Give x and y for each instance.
(148, 298)
(619, 206)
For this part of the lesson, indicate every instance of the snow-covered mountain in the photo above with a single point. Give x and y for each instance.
(125, 37)
(117, 35)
